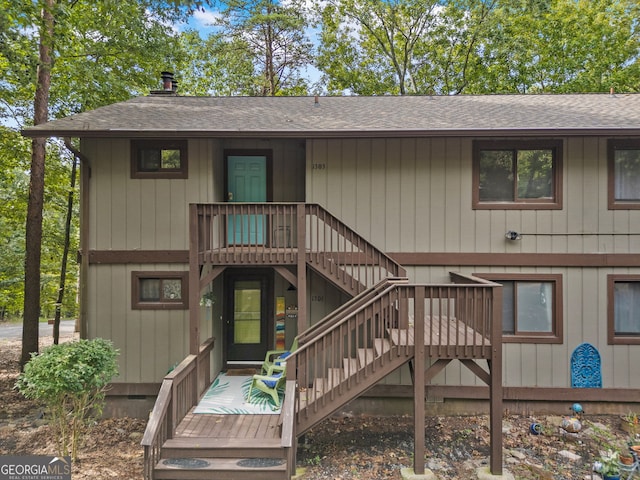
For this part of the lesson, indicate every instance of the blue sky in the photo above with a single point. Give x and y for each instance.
(201, 21)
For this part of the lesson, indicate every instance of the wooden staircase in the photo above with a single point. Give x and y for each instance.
(360, 368)
(337, 360)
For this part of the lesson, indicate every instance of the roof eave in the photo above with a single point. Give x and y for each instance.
(35, 132)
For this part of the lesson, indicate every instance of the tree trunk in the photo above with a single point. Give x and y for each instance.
(65, 253)
(30, 336)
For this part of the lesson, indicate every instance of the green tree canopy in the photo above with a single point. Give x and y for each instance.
(272, 35)
(478, 46)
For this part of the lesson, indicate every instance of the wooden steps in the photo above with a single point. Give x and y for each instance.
(248, 448)
(221, 469)
(209, 447)
(224, 447)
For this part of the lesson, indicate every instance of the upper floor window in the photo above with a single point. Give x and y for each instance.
(623, 318)
(159, 159)
(517, 174)
(624, 174)
(531, 307)
(159, 290)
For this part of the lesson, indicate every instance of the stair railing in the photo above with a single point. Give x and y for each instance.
(249, 233)
(354, 350)
(180, 391)
(347, 255)
(346, 308)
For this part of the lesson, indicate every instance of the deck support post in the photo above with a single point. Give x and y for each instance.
(194, 282)
(419, 391)
(302, 267)
(495, 389)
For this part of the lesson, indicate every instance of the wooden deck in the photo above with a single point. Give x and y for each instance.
(229, 426)
(441, 331)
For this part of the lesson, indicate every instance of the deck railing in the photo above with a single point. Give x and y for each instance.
(378, 334)
(345, 254)
(276, 233)
(346, 308)
(180, 391)
(289, 439)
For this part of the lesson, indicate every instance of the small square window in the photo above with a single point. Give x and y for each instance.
(517, 174)
(624, 174)
(531, 307)
(159, 159)
(159, 290)
(623, 309)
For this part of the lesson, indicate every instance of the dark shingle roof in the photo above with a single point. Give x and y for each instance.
(163, 115)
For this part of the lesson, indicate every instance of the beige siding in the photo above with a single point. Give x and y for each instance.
(150, 341)
(146, 214)
(414, 195)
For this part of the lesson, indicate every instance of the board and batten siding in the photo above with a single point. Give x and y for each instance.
(146, 214)
(415, 195)
(141, 214)
(128, 214)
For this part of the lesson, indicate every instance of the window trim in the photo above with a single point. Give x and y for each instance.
(612, 338)
(162, 144)
(534, 144)
(137, 304)
(612, 145)
(556, 335)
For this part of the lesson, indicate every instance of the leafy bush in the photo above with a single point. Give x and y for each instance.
(71, 380)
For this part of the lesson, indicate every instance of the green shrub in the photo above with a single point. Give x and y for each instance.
(70, 379)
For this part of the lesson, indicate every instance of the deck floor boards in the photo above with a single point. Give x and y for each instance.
(228, 426)
(441, 331)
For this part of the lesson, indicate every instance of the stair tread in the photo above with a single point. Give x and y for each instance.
(382, 345)
(213, 464)
(219, 443)
(221, 468)
(366, 355)
(350, 366)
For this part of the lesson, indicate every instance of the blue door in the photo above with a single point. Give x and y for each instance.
(247, 182)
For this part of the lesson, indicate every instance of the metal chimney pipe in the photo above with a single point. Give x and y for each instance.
(167, 81)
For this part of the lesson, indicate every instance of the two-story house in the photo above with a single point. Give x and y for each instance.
(250, 220)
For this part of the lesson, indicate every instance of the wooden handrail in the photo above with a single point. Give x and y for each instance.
(179, 392)
(332, 242)
(377, 332)
(288, 435)
(344, 309)
(273, 233)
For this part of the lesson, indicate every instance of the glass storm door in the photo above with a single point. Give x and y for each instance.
(247, 182)
(246, 329)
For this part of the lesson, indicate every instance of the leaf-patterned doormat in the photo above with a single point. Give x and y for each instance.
(227, 395)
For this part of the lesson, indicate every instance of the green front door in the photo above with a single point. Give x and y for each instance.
(246, 182)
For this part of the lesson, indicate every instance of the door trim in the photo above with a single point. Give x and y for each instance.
(267, 153)
(266, 276)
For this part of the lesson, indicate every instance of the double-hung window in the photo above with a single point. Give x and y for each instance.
(159, 158)
(517, 174)
(531, 307)
(624, 174)
(623, 318)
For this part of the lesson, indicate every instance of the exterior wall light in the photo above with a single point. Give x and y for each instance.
(512, 235)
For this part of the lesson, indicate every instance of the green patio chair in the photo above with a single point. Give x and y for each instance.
(277, 357)
(270, 383)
